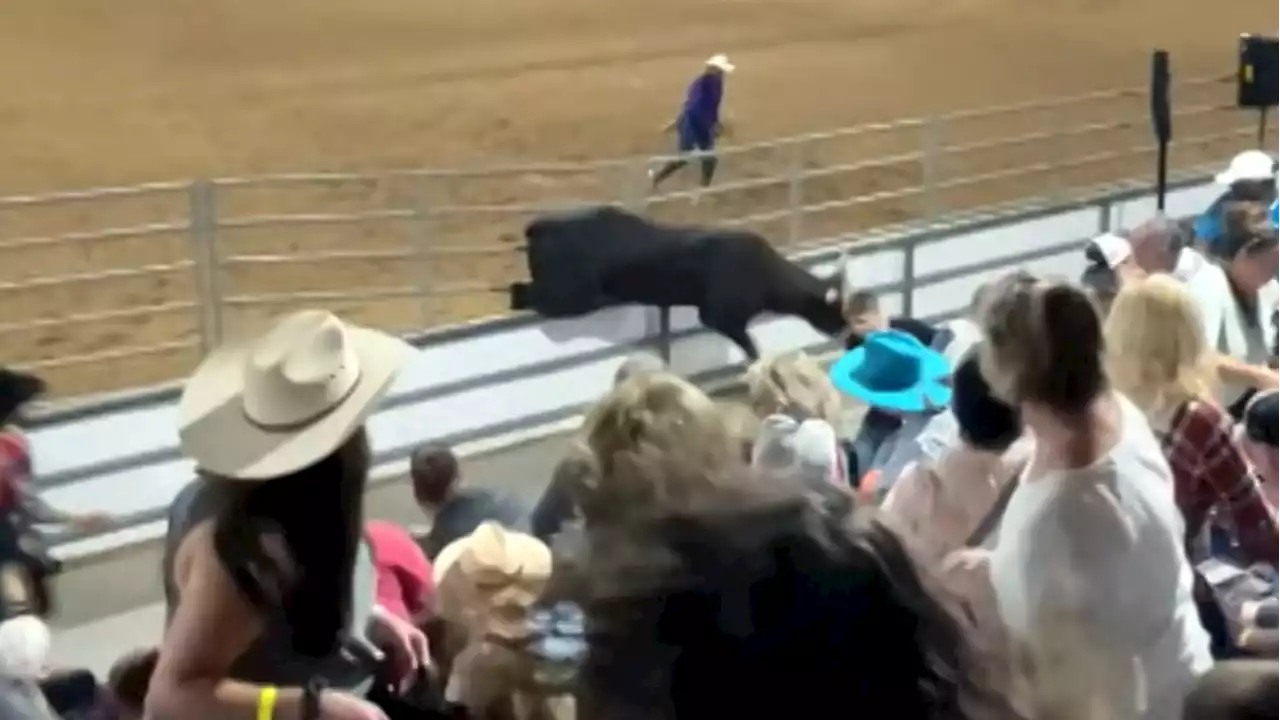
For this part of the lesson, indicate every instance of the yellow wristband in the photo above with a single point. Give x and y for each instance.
(267, 702)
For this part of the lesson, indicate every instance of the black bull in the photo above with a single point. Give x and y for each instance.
(600, 257)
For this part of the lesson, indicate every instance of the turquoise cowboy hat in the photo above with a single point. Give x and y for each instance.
(892, 370)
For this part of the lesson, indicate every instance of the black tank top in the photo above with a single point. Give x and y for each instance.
(270, 658)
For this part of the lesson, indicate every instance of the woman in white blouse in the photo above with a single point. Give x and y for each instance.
(1088, 566)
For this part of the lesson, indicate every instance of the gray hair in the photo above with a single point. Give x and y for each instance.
(638, 364)
(1160, 229)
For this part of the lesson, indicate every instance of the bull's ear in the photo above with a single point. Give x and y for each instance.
(832, 296)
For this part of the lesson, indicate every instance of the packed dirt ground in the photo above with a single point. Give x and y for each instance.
(101, 94)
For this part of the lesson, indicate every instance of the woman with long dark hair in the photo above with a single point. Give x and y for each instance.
(270, 585)
(769, 607)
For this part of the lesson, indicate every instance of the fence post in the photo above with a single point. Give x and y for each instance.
(203, 213)
(930, 157)
(635, 186)
(420, 232)
(664, 335)
(1057, 132)
(795, 192)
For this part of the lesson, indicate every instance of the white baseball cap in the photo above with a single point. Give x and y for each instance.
(720, 62)
(1248, 165)
(1113, 249)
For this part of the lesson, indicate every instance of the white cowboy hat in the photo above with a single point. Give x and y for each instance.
(1250, 165)
(271, 406)
(492, 576)
(720, 61)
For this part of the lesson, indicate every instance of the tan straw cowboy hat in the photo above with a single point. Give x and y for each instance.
(490, 579)
(273, 405)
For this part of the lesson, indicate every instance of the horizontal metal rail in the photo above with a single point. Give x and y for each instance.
(159, 228)
(129, 313)
(323, 296)
(422, 218)
(100, 193)
(294, 178)
(871, 199)
(109, 355)
(325, 256)
(1074, 131)
(100, 276)
(278, 219)
(1083, 98)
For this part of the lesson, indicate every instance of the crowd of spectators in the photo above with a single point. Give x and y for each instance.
(1061, 505)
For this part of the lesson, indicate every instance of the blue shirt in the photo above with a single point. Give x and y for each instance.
(701, 111)
(1208, 225)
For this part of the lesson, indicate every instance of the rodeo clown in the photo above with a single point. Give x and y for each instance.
(698, 125)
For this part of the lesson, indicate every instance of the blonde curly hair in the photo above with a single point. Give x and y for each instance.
(793, 381)
(1156, 349)
(654, 421)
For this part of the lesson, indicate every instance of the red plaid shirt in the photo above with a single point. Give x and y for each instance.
(1210, 470)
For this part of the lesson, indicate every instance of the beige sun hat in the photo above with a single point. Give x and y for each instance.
(273, 405)
(491, 578)
(720, 61)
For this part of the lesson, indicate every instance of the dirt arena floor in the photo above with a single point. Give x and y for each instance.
(98, 94)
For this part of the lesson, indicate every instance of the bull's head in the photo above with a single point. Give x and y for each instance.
(825, 311)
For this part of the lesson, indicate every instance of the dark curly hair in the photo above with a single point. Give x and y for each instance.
(770, 603)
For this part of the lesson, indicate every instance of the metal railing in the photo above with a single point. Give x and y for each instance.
(124, 287)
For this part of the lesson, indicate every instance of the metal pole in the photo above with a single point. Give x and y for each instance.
(795, 193)
(930, 160)
(930, 157)
(203, 209)
(635, 186)
(664, 334)
(1161, 121)
(1057, 157)
(420, 237)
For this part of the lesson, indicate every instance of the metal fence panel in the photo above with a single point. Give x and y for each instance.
(123, 287)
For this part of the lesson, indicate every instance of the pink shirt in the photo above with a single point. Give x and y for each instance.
(404, 584)
(937, 505)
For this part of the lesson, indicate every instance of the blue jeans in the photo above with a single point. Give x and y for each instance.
(876, 429)
(688, 140)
